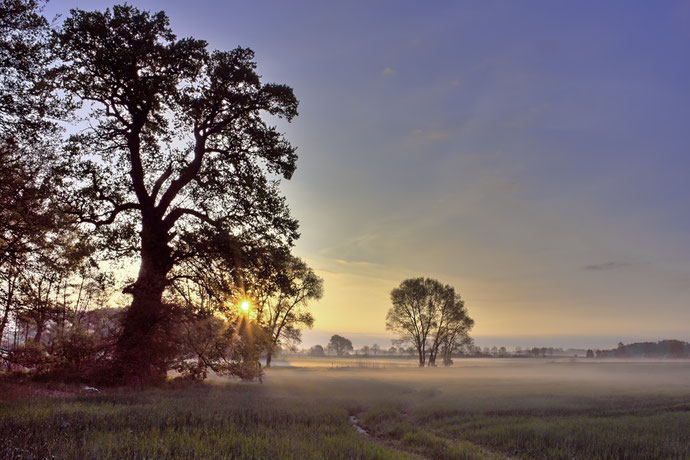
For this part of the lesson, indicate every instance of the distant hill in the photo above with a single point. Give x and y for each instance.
(662, 349)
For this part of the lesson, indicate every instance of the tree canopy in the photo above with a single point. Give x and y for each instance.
(170, 164)
(339, 345)
(430, 316)
(282, 302)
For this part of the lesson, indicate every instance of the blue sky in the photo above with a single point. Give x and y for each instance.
(532, 154)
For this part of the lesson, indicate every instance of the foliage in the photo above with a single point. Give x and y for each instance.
(79, 353)
(225, 347)
(339, 345)
(178, 167)
(661, 349)
(175, 166)
(48, 276)
(431, 316)
(282, 299)
(317, 350)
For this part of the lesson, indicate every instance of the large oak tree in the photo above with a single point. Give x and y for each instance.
(175, 166)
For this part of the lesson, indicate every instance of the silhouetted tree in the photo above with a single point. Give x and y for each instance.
(32, 230)
(456, 335)
(620, 350)
(227, 347)
(590, 353)
(424, 313)
(375, 348)
(340, 345)
(282, 302)
(317, 350)
(175, 167)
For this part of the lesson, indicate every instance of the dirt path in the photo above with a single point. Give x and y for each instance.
(355, 424)
(478, 450)
(391, 444)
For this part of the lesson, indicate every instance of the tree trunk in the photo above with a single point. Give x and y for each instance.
(421, 357)
(8, 305)
(144, 347)
(3, 323)
(39, 331)
(432, 358)
(268, 359)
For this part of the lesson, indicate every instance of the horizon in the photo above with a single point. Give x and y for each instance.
(359, 339)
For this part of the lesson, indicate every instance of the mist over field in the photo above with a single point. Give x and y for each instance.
(485, 377)
(344, 408)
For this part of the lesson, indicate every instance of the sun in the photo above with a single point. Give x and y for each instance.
(245, 306)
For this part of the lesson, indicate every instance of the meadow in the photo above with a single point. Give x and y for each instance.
(493, 408)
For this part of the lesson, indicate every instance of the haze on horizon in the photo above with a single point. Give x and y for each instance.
(536, 158)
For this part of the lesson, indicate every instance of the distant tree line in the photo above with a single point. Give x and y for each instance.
(661, 349)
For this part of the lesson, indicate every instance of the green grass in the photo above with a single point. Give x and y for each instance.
(532, 410)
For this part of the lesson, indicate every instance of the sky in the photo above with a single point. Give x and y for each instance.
(534, 155)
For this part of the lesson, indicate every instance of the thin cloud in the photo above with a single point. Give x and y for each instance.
(361, 263)
(431, 135)
(608, 266)
(389, 72)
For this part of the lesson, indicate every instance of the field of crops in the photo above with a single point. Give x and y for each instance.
(526, 408)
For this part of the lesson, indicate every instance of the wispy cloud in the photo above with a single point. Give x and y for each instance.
(389, 72)
(360, 263)
(431, 135)
(608, 266)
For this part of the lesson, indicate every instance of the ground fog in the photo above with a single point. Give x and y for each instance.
(492, 408)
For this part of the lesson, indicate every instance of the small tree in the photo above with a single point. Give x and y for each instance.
(283, 299)
(339, 345)
(317, 350)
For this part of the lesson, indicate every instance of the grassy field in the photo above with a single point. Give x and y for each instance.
(477, 409)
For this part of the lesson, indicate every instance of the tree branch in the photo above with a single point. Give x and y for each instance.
(113, 214)
(159, 183)
(188, 173)
(176, 213)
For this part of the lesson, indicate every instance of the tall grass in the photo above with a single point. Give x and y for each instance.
(208, 421)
